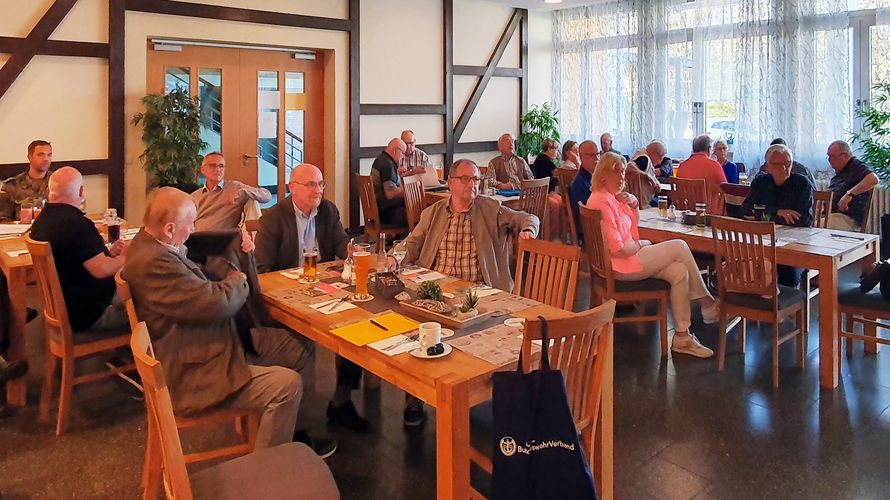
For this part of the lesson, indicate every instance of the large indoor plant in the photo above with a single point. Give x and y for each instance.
(539, 123)
(873, 138)
(171, 132)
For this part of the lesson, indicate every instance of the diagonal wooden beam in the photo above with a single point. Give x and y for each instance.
(38, 36)
(486, 77)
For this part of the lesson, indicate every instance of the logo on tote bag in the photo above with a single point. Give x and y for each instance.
(508, 446)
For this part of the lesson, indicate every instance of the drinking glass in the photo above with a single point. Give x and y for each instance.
(759, 210)
(399, 251)
(362, 259)
(701, 214)
(310, 265)
(663, 207)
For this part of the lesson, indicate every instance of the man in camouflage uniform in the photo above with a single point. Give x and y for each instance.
(29, 184)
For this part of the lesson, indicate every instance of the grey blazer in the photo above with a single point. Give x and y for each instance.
(494, 229)
(277, 243)
(190, 320)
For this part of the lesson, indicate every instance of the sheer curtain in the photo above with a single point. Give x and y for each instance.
(763, 69)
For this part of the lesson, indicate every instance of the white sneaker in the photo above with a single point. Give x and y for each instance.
(710, 315)
(691, 346)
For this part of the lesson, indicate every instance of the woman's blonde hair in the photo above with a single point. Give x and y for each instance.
(609, 163)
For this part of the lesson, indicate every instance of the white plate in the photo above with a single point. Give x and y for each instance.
(421, 353)
(447, 332)
(514, 322)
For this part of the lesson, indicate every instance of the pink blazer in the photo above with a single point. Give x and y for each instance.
(619, 226)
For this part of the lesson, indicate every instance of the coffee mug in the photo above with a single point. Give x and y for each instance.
(430, 335)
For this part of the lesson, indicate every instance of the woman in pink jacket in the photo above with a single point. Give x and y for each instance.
(635, 259)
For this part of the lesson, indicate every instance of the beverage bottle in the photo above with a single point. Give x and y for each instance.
(346, 275)
(381, 253)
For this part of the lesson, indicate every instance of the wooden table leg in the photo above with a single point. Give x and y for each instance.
(452, 438)
(603, 469)
(828, 324)
(16, 390)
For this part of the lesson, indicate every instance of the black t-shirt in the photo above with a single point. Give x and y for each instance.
(852, 174)
(75, 240)
(388, 170)
(543, 168)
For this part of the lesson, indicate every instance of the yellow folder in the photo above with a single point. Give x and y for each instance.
(364, 332)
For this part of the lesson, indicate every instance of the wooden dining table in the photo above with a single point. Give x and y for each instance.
(452, 384)
(825, 250)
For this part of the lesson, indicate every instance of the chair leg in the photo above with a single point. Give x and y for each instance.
(775, 327)
(850, 320)
(801, 340)
(66, 390)
(663, 326)
(49, 380)
(151, 469)
(721, 343)
(743, 333)
(871, 330)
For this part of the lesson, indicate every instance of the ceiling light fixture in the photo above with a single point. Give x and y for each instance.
(552, 1)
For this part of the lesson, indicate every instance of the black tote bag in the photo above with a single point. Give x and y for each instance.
(537, 453)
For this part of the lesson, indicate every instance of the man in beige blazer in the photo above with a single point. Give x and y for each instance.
(191, 322)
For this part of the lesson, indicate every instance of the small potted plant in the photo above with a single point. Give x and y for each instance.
(430, 296)
(469, 308)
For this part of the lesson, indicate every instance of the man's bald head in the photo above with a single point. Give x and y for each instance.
(589, 154)
(306, 187)
(66, 186)
(167, 205)
(396, 149)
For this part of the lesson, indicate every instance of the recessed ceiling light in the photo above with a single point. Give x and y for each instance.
(552, 1)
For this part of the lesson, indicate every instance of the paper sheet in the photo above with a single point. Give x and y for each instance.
(363, 332)
(14, 228)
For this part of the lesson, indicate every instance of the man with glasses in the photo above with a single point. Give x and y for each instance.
(220, 202)
(415, 161)
(579, 190)
(851, 184)
(508, 170)
(388, 184)
(307, 221)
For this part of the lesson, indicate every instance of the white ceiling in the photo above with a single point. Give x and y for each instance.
(540, 5)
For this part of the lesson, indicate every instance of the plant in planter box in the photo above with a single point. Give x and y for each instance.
(471, 301)
(171, 132)
(874, 136)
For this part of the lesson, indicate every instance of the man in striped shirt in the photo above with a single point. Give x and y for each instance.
(415, 160)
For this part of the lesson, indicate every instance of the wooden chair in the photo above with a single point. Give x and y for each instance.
(865, 215)
(822, 208)
(415, 199)
(61, 341)
(246, 421)
(685, 193)
(581, 348)
(564, 177)
(533, 199)
(633, 185)
(290, 470)
(866, 309)
(604, 286)
(717, 206)
(547, 272)
(746, 271)
(373, 226)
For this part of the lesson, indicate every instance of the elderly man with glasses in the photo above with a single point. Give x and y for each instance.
(467, 236)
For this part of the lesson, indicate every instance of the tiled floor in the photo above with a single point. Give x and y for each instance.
(682, 431)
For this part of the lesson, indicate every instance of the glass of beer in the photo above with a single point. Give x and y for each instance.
(310, 264)
(362, 259)
(759, 210)
(701, 214)
(663, 207)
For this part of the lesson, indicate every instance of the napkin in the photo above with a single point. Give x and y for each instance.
(395, 345)
(324, 306)
(432, 275)
(16, 253)
(293, 274)
(485, 291)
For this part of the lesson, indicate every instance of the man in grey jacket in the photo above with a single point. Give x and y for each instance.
(467, 236)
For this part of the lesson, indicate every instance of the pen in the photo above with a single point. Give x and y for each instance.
(378, 325)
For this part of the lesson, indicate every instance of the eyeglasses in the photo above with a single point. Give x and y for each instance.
(465, 179)
(214, 165)
(311, 184)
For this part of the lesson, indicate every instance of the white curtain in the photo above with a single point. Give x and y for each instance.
(763, 68)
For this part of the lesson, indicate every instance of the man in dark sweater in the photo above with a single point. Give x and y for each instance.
(787, 198)
(388, 184)
(851, 185)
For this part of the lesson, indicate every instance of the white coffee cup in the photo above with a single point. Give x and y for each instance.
(430, 335)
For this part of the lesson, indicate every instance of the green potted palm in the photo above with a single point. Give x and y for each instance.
(171, 132)
(873, 140)
(539, 123)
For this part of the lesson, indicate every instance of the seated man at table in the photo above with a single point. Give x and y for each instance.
(641, 170)
(414, 161)
(700, 165)
(787, 198)
(388, 184)
(86, 268)
(796, 167)
(657, 153)
(191, 322)
(606, 145)
(579, 190)
(851, 184)
(31, 183)
(307, 221)
(508, 170)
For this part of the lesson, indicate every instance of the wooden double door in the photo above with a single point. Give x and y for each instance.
(262, 109)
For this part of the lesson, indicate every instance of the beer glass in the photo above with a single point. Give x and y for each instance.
(362, 259)
(663, 207)
(310, 264)
(759, 210)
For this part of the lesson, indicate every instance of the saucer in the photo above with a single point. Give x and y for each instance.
(515, 322)
(421, 353)
(447, 332)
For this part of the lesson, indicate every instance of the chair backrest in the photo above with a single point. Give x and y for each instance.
(598, 256)
(717, 206)
(564, 177)
(578, 345)
(821, 208)
(368, 199)
(634, 185)
(160, 414)
(867, 212)
(745, 252)
(58, 327)
(685, 193)
(123, 291)
(533, 196)
(547, 272)
(415, 198)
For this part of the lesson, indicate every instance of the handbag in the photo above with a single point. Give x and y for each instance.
(537, 452)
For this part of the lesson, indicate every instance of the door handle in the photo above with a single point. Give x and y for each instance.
(247, 157)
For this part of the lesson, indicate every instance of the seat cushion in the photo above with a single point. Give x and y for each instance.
(849, 294)
(787, 297)
(287, 471)
(647, 285)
